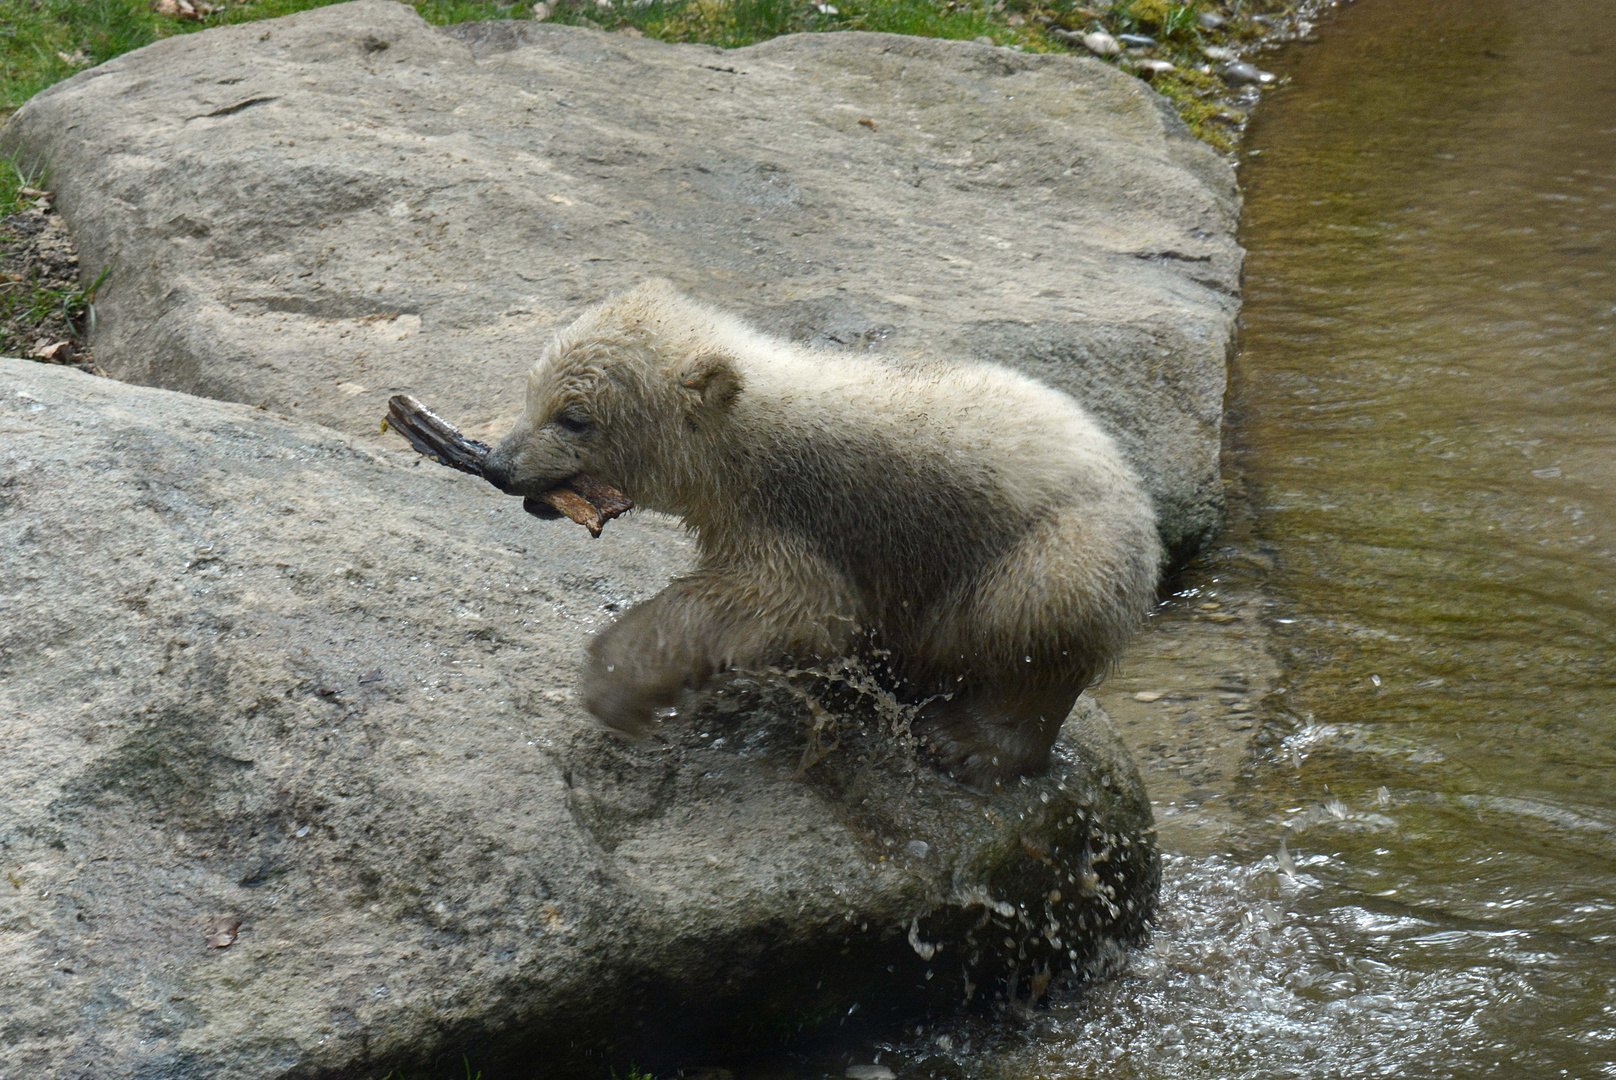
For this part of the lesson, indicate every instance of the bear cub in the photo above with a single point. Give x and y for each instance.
(970, 533)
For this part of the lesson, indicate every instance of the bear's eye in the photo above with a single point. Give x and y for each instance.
(575, 423)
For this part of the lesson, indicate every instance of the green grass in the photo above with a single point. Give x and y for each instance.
(734, 23)
(32, 303)
(13, 180)
(44, 41)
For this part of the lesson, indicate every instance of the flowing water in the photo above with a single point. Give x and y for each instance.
(1415, 875)
(1424, 418)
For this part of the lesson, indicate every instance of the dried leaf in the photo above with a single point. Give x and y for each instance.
(57, 353)
(223, 932)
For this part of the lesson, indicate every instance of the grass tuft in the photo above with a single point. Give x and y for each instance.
(14, 179)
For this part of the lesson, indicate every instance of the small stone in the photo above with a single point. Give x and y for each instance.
(1211, 20)
(1241, 73)
(870, 1072)
(983, 39)
(1151, 68)
(1147, 696)
(1218, 52)
(543, 10)
(1101, 44)
(1137, 41)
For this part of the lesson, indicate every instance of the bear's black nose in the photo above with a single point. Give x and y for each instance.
(497, 473)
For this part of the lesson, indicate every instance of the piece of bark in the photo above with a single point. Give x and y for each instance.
(582, 498)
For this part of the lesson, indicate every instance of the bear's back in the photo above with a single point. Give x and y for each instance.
(909, 478)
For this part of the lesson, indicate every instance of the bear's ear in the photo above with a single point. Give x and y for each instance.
(712, 382)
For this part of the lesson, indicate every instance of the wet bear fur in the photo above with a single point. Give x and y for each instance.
(969, 531)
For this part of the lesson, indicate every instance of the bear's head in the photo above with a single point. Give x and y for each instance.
(637, 393)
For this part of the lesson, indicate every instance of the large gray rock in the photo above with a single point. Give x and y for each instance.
(252, 668)
(314, 212)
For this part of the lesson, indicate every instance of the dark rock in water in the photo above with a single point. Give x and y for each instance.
(296, 783)
(1240, 73)
(299, 219)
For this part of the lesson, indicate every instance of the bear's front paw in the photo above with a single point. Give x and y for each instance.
(987, 738)
(618, 704)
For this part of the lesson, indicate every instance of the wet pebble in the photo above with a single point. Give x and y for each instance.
(1211, 20)
(1218, 52)
(1240, 73)
(1137, 41)
(1152, 68)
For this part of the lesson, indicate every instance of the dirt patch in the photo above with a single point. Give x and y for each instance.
(46, 313)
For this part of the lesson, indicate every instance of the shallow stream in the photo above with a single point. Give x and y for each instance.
(1409, 866)
(1423, 419)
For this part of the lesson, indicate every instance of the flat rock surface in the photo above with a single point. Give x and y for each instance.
(315, 212)
(256, 671)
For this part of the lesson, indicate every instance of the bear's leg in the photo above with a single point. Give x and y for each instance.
(700, 625)
(989, 734)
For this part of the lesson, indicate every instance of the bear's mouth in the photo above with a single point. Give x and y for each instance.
(531, 489)
(584, 499)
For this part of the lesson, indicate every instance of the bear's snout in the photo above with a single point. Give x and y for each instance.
(497, 470)
(526, 466)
